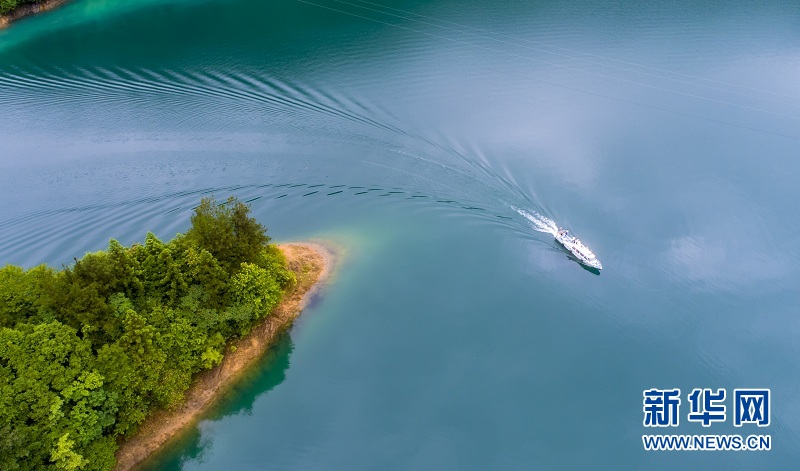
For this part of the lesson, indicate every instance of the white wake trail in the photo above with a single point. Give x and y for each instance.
(539, 222)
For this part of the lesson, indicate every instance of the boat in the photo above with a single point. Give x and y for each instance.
(576, 248)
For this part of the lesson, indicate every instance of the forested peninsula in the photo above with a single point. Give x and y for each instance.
(111, 350)
(11, 10)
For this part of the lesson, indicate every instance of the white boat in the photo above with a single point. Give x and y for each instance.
(580, 251)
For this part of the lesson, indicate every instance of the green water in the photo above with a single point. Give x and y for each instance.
(417, 136)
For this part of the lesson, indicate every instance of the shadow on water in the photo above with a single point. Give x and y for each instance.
(591, 270)
(573, 258)
(267, 373)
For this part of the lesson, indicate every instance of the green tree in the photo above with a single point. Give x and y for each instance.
(7, 5)
(254, 286)
(273, 260)
(80, 303)
(51, 389)
(23, 295)
(162, 271)
(203, 270)
(227, 232)
(87, 352)
(64, 456)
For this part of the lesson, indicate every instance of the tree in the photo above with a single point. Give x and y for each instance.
(65, 457)
(53, 398)
(253, 286)
(227, 232)
(24, 295)
(87, 352)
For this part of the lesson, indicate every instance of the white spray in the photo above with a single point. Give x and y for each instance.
(539, 222)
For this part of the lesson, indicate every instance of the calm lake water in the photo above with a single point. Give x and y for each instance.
(436, 143)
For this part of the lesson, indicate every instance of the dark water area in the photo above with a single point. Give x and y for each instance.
(440, 144)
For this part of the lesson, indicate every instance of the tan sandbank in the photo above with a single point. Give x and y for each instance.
(311, 264)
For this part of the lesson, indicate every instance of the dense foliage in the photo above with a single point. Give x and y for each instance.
(8, 5)
(86, 352)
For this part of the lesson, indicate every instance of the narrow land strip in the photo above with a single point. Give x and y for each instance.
(28, 9)
(311, 264)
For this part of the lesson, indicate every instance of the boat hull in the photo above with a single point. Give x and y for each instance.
(580, 252)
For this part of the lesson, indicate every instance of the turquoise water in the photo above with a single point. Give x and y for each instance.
(430, 141)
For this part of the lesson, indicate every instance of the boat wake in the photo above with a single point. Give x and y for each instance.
(539, 222)
(581, 253)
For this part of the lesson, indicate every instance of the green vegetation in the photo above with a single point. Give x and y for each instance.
(88, 351)
(8, 5)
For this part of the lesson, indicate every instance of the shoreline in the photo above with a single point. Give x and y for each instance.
(28, 9)
(312, 264)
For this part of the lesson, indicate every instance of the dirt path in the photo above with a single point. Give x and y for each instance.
(312, 264)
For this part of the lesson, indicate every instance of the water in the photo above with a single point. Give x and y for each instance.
(440, 144)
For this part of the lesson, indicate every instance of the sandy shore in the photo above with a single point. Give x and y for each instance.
(312, 264)
(27, 10)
